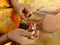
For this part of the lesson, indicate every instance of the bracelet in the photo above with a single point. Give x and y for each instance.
(58, 10)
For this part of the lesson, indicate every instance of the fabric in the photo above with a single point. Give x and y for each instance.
(9, 20)
(4, 3)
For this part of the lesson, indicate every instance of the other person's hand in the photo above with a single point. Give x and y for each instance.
(20, 36)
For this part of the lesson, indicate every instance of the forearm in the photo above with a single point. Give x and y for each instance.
(17, 7)
(3, 39)
(15, 4)
(48, 11)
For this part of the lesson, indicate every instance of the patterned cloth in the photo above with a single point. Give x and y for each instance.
(9, 20)
(4, 3)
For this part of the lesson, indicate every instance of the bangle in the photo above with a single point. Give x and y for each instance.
(58, 10)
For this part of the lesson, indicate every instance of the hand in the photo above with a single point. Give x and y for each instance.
(20, 36)
(21, 9)
(24, 11)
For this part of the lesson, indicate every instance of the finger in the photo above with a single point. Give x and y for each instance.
(19, 11)
(18, 39)
(27, 8)
(28, 14)
(28, 41)
(24, 40)
(22, 32)
(24, 11)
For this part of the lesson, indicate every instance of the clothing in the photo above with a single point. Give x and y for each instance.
(4, 3)
(9, 20)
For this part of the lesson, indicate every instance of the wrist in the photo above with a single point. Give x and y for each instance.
(6, 37)
(3, 39)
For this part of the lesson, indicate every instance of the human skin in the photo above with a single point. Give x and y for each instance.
(19, 8)
(51, 20)
(19, 36)
(51, 23)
